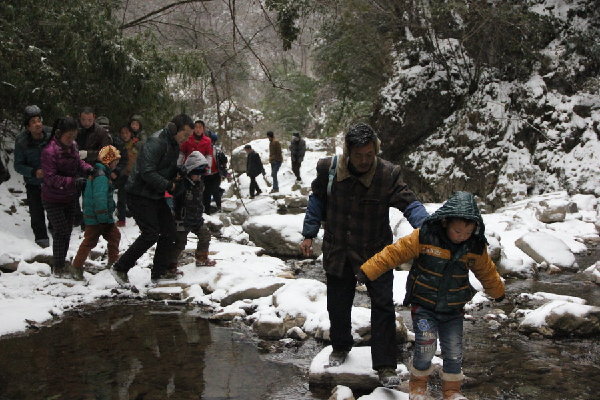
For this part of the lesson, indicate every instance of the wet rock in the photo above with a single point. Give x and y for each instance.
(293, 205)
(593, 273)
(229, 315)
(341, 393)
(553, 210)
(280, 238)
(560, 318)
(296, 333)
(269, 329)
(542, 247)
(166, 293)
(240, 292)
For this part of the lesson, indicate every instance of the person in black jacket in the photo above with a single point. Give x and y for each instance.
(28, 150)
(154, 173)
(254, 167)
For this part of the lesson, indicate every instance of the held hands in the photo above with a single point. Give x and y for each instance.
(80, 183)
(361, 277)
(306, 246)
(39, 173)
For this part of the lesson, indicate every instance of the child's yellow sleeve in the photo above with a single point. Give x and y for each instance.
(485, 270)
(405, 249)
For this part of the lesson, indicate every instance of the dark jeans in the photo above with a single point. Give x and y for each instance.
(36, 211)
(254, 189)
(61, 218)
(428, 326)
(211, 189)
(340, 295)
(156, 223)
(275, 165)
(121, 204)
(296, 169)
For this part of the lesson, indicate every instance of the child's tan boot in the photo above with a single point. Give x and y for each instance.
(418, 384)
(451, 386)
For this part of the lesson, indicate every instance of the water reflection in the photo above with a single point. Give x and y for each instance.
(136, 352)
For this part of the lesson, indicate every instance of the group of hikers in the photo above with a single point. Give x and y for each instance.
(351, 197)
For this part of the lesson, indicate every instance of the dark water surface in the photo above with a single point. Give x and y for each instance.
(138, 351)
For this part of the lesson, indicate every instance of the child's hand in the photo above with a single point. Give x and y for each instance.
(361, 277)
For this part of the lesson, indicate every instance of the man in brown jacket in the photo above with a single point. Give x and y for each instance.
(275, 158)
(353, 200)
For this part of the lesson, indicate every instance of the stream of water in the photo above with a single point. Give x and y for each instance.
(147, 351)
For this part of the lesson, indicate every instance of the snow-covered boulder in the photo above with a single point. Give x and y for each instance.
(593, 272)
(279, 235)
(258, 206)
(562, 318)
(341, 392)
(553, 210)
(252, 290)
(542, 247)
(356, 372)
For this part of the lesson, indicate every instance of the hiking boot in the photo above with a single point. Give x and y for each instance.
(418, 384)
(120, 276)
(202, 260)
(75, 273)
(43, 243)
(388, 377)
(337, 357)
(451, 386)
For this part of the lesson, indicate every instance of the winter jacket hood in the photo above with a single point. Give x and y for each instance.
(459, 205)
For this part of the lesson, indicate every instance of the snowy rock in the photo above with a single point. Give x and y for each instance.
(258, 206)
(252, 290)
(166, 293)
(34, 268)
(512, 267)
(553, 210)
(293, 205)
(279, 235)
(296, 333)
(494, 248)
(585, 202)
(269, 328)
(593, 272)
(355, 373)
(542, 246)
(562, 318)
(388, 394)
(341, 393)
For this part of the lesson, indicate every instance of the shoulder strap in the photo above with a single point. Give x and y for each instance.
(331, 174)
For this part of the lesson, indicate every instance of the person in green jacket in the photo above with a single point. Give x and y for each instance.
(98, 210)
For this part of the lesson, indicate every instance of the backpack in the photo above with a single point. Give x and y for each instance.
(221, 161)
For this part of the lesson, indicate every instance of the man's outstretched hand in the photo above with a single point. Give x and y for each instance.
(306, 246)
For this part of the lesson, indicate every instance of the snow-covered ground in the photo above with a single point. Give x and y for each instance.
(245, 280)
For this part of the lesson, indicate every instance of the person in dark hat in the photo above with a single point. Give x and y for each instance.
(28, 150)
(154, 173)
(352, 194)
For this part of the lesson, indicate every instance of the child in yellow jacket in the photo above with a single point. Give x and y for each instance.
(449, 244)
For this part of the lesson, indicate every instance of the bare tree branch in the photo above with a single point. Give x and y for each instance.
(145, 18)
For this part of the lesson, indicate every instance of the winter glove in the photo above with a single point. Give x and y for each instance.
(80, 183)
(83, 154)
(499, 299)
(361, 277)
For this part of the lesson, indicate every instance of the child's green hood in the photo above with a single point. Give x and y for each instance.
(461, 205)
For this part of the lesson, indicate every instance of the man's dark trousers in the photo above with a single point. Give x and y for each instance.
(156, 223)
(36, 211)
(340, 296)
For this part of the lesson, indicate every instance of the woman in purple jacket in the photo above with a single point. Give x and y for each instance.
(64, 178)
